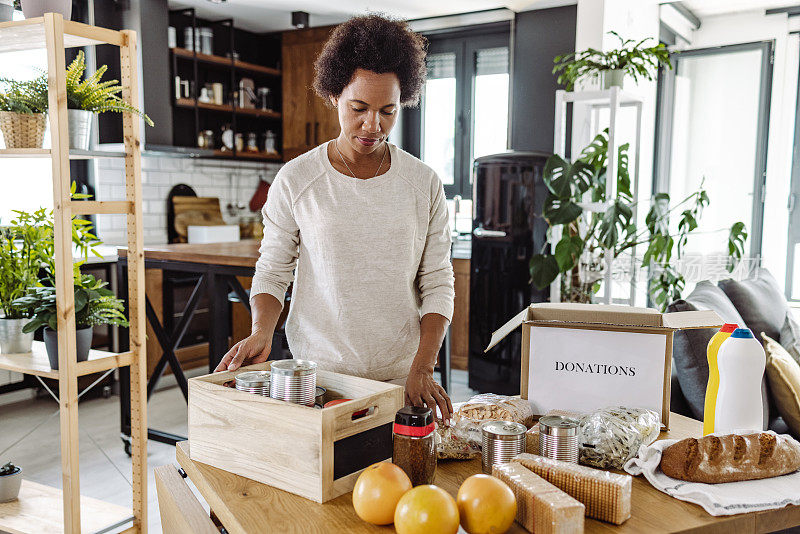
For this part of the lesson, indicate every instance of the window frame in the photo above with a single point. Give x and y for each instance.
(464, 42)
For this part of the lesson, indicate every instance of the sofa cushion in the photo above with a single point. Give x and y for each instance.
(790, 336)
(689, 346)
(783, 373)
(759, 301)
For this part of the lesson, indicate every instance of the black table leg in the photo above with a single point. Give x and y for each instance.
(124, 372)
(220, 311)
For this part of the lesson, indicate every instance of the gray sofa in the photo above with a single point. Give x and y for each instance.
(756, 303)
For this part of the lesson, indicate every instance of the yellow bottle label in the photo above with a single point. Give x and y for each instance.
(713, 381)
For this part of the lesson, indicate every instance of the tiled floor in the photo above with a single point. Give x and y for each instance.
(105, 468)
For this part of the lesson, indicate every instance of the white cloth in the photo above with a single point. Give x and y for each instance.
(371, 256)
(717, 499)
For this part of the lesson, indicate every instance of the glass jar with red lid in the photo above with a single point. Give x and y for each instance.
(415, 444)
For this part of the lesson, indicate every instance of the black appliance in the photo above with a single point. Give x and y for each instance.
(508, 195)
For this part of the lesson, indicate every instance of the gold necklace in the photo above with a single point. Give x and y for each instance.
(336, 146)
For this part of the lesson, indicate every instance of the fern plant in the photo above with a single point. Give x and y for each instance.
(93, 95)
(28, 97)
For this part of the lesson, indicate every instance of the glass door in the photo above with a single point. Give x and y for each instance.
(712, 129)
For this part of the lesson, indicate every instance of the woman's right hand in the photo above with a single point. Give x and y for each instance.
(252, 349)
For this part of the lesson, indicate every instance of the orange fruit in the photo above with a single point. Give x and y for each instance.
(486, 505)
(377, 490)
(426, 509)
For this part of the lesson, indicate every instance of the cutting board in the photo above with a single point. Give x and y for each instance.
(195, 211)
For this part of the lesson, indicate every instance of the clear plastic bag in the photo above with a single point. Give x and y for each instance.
(452, 446)
(470, 415)
(610, 437)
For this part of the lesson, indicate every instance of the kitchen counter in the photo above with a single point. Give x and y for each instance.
(244, 506)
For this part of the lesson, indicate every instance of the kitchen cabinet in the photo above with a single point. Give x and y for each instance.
(308, 121)
(459, 328)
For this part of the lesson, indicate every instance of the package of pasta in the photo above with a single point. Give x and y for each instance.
(470, 415)
(451, 446)
(612, 436)
(493, 407)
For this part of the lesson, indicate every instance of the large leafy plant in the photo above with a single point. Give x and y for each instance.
(94, 304)
(640, 62)
(590, 240)
(24, 247)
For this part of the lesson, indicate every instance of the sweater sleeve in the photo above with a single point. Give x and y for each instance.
(279, 247)
(435, 275)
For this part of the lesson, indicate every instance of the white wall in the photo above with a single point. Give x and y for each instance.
(756, 26)
(232, 182)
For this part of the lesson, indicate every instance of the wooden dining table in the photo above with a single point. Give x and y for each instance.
(243, 506)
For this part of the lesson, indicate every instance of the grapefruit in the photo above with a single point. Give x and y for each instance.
(486, 505)
(426, 509)
(377, 490)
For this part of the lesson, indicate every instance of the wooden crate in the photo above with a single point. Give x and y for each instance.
(311, 452)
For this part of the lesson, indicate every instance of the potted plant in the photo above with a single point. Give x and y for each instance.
(10, 482)
(37, 8)
(591, 240)
(94, 305)
(23, 251)
(23, 112)
(632, 58)
(88, 96)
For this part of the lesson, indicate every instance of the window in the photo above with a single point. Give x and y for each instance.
(713, 127)
(463, 113)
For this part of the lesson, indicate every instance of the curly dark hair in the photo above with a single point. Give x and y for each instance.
(375, 43)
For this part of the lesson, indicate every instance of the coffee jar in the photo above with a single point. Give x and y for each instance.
(414, 444)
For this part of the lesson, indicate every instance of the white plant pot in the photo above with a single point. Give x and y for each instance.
(80, 128)
(12, 339)
(613, 78)
(9, 486)
(37, 8)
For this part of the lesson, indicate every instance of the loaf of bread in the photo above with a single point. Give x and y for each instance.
(731, 458)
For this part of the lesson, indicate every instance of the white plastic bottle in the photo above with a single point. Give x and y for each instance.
(741, 361)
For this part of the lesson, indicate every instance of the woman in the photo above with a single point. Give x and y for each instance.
(361, 228)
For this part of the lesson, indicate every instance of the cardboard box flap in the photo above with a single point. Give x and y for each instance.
(608, 314)
(692, 319)
(507, 328)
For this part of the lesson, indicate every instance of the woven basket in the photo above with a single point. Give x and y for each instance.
(23, 130)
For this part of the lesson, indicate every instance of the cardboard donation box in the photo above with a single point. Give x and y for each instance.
(582, 357)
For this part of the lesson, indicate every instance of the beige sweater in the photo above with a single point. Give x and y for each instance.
(368, 259)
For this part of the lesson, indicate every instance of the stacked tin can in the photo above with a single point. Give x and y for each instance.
(294, 381)
(501, 441)
(254, 382)
(558, 438)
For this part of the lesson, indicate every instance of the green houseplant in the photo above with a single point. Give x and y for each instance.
(590, 240)
(94, 305)
(23, 112)
(10, 482)
(631, 58)
(87, 95)
(24, 248)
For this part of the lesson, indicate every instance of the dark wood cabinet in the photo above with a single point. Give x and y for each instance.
(307, 120)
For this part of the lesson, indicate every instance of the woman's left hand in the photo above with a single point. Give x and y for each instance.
(422, 390)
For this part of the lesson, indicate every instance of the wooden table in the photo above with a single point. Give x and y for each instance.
(244, 506)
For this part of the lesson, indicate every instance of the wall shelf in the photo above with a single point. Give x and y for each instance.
(190, 103)
(226, 62)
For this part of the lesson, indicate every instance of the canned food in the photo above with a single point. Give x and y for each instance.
(558, 438)
(501, 441)
(254, 382)
(294, 381)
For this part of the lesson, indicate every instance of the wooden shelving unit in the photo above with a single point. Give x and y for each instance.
(40, 508)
